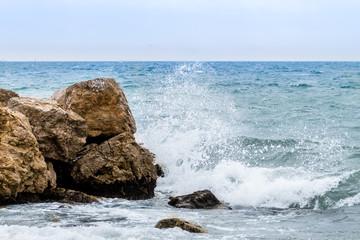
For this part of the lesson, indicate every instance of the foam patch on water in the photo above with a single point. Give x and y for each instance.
(238, 184)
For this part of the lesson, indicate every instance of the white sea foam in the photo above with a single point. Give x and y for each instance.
(253, 186)
(349, 202)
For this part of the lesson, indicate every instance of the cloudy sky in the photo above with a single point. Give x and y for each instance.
(195, 30)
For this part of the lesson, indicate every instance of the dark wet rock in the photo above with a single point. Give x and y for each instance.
(61, 134)
(102, 103)
(118, 167)
(5, 96)
(68, 196)
(159, 171)
(198, 200)
(180, 223)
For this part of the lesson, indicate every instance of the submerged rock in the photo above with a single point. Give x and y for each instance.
(61, 134)
(5, 95)
(198, 200)
(68, 196)
(119, 167)
(184, 225)
(23, 170)
(102, 103)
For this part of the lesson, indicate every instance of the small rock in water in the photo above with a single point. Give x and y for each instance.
(55, 218)
(198, 200)
(184, 225)
(159, 171)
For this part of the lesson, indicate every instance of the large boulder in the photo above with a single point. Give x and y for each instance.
(118, 167)
(102, 103)
(61, 134)
(180, 223)
(22, 167)
(198, 200)
(5, 95)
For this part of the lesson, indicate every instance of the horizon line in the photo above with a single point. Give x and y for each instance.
(179, 60)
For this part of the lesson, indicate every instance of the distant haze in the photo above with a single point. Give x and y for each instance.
(185, 30)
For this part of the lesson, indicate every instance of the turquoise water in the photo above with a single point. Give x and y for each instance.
(278, 141)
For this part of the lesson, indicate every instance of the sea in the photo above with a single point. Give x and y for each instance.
(277, 142)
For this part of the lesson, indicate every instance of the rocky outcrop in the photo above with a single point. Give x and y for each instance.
(5, 95)
(198, 200)
(184, 225)
(102, 103)
(86, 143)
(61, 134)
(119, 167)
(23, 170)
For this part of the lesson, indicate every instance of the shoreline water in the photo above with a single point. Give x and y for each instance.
(278, 141)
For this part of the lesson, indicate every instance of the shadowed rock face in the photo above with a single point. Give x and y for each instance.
(102, 103)
(118, 167)
(23, 170)
(61, 134)
(197, 200)
(177, 222)
(5, 95)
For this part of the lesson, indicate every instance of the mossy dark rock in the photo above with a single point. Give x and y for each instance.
(180, 223)
(198, 200)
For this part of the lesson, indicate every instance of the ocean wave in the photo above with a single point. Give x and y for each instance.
(349, 202)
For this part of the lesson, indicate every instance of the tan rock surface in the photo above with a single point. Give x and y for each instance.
(102, 103)
(22, 167)
(119, 167)
(61, 134)
(5, 95)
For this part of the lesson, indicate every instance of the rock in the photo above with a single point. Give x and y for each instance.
(102, 103)
(51, 175)
(159, 171)
(5, 95)
(68, 196)
(119, 167)
(198, 200)
(177, 222)
(61, 134)
(23, 170)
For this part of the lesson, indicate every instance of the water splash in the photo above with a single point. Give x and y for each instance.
(201, 138)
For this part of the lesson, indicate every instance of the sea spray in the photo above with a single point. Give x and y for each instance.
(201, 136)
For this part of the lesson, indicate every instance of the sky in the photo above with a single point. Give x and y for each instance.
(180, 30)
